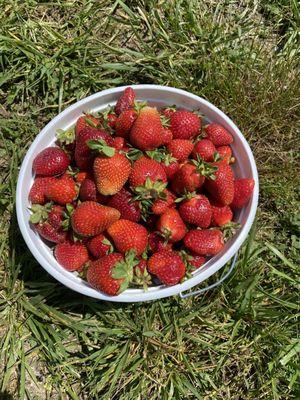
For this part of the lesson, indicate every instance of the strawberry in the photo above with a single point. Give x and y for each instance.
(171, 225)
(180, 148)
(243, 189)
(91, 218)
(37, 190)
(88, 192)
(99, 246)
(112, 273)
(111, 173)
(222, 186)
(128, 208)
(196, 210)
(126, 101)
(111, 120)
(221, 215)
(125, 121)
(218, 134)
(156, 242)
(145, 168)
(170, 166)
(147, 130)
(119, 143)
(206, 242)
(168, 111)
(48, 232)
(168, 266)
(71, 256)
(191, 176)
(128, 235)
(141, 277)
(205, 149)
(196, 262)
(225, 154)
(83, 155)
(185, 124)
(56, 216)
(161, 205)
(192, 260)
(80, 176)
(50, 161)
(61, 190)
(167, 136)
(86, 121)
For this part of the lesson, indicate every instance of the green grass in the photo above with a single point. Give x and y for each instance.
(239, 341)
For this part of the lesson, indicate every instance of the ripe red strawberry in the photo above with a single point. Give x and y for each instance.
(145, 168)
(81, 175)
(206, 242)
(91, 218)
(128, 235)
(83, 154)
(168, 266)
(111, 120)
(88, 192)
(205, 149)
(191, 176)
(141, 276)
(196, 261)
(147, 130)
(71, 256)
(180, 148)
(125, 122)
(197, 211)
(161, 205)
(56, 216)
(221, 215)
(111, 173)
(171, 225)
(168, 111)
(126, 101)
(50, 233)
(86, 121)
(61, 190)
(112, 273)
(243, 189)
(225, 153)
(99, 246)
(167, 136)
(129, 209)
(37, 191)
(218, 134)
(119, 143)
(170, 166)
(185, 124)
(222, 187)
(50, 161)
(156, 242)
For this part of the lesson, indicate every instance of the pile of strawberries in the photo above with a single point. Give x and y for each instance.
(136, 196)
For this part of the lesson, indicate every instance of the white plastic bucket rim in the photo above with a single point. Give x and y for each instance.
(158, 95)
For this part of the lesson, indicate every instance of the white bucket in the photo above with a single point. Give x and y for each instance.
(160, 96)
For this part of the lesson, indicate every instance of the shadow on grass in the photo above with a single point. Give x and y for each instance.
(6, 396)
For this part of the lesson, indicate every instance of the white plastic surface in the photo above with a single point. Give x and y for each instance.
(159, 95)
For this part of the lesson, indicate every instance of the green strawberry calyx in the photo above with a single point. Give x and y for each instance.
(66, 137)
(39, 213)
(142, 278)
(66, 223)
(101, 146)
(123, 270)
(204, 168)
(186, 196)
(151, 190)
